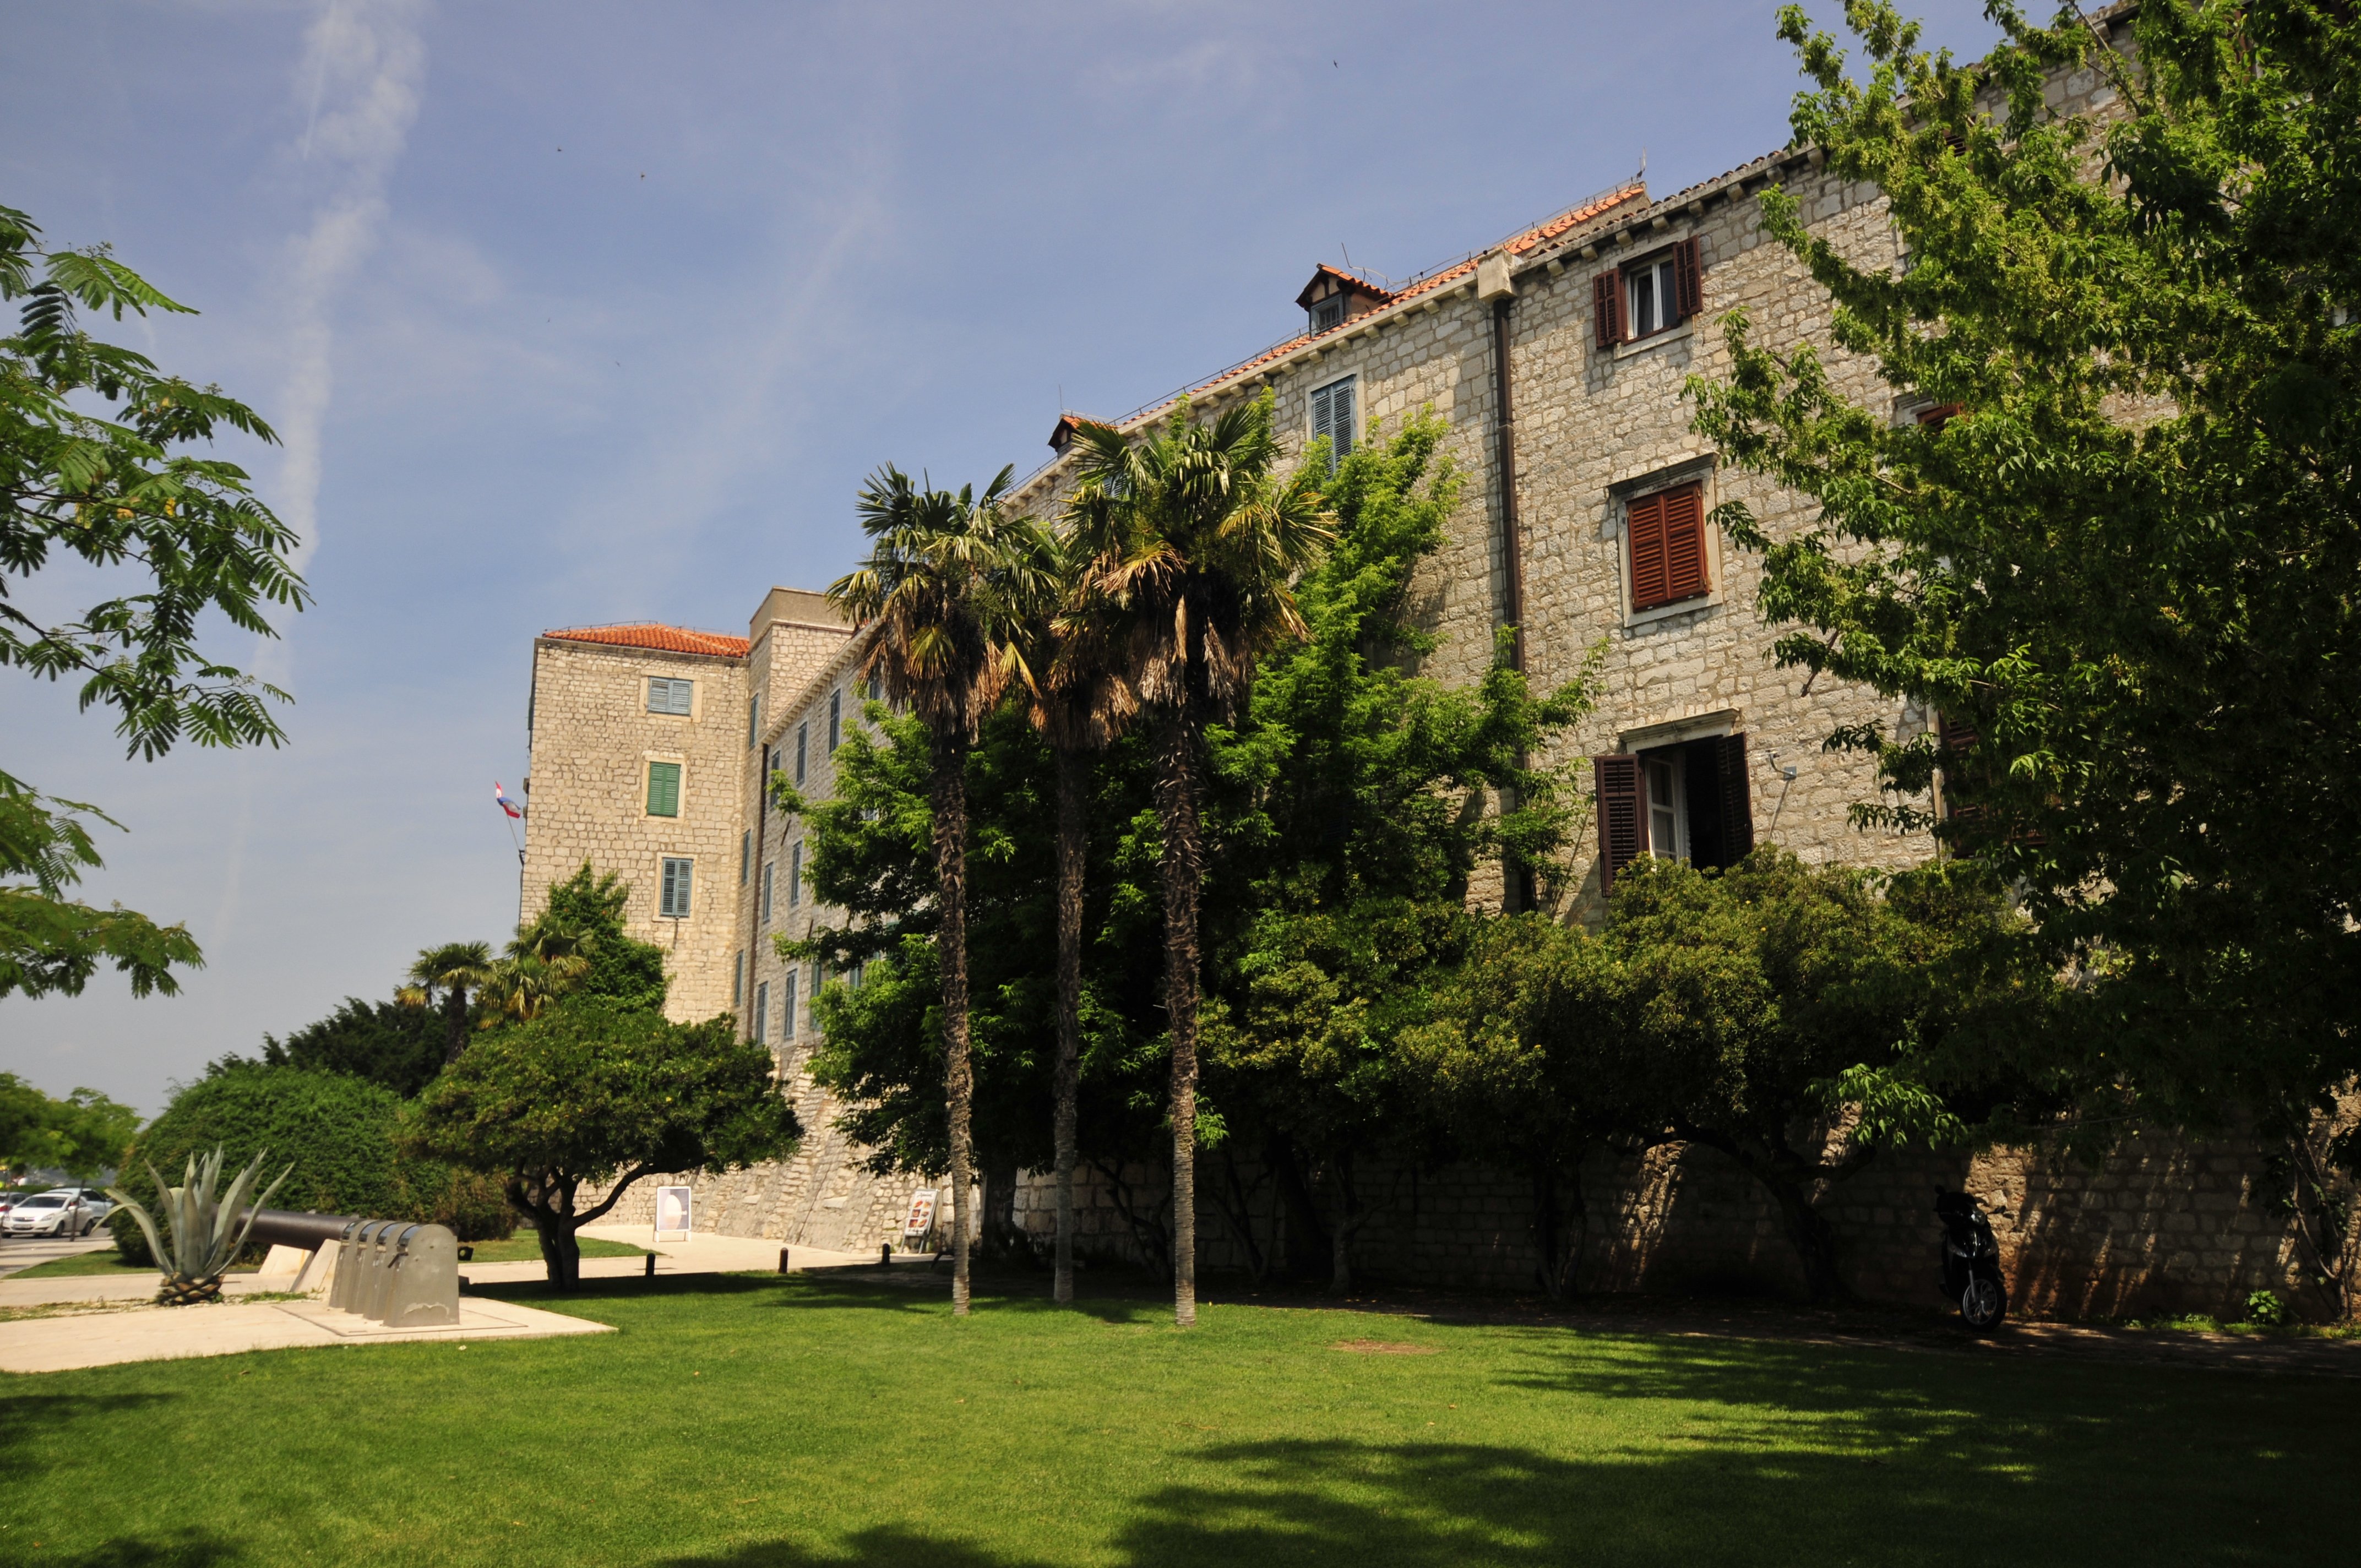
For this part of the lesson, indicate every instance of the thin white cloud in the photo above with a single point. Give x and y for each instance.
(363, 66)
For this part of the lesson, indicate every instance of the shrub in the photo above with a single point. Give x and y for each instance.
(336, 1131)
(2265, 1309)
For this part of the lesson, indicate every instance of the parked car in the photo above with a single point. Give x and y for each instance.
(60, 1211)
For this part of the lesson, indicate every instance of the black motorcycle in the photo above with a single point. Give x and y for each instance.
(1970, 1262)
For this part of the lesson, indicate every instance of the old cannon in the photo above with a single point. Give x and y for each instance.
(397, 1272)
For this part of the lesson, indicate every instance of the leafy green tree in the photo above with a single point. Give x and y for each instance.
(339, 1132)
(591, 1091)
(91, 465)
(1197, 541)
(1530, 1059)
(870, 854)
(1080, 703)
(454, 969)
(946, 580)
(1800, 1019)
(391, 1044)
(2119, 553)
(82, 1134)
(1348, 816)
(576, 945)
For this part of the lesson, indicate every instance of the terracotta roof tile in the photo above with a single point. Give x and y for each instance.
(650, 634)
(1539, 234)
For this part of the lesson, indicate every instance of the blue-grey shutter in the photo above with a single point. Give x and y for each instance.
(795, 875)
(1324, 423)
(766, 891)
(1340, 417)
(788, 1024)
(738, 978)
(762, 1012)
(803, 736)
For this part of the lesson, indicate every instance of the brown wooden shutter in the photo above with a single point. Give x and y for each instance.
(1606, 304)
(1684, 565)
(1688, 278)
(1643, 521)
(1622, 815)
(1959, 736)
(1737, 807)
(1939, 415)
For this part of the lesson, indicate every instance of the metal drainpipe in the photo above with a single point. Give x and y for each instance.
(1504, 430)
(1517, 892)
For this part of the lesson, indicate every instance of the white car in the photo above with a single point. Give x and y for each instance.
(62, 1211)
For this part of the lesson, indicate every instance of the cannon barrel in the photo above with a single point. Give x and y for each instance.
(282, 1227)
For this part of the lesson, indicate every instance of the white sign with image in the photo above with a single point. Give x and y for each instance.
(672, 1212)
(922, 1215)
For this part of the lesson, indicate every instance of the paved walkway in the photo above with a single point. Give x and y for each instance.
(20, 1253)
(172, 1333)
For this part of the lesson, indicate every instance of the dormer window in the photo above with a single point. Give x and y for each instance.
(1653, 294)
(1334, 298)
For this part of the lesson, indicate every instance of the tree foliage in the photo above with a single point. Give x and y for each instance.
(593, 1090)
(2126, 562)
(391, 1044)
(94, 466)
(339, 1132)
(82, 1134)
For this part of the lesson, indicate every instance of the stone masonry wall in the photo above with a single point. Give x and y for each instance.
(2159, 1226)
(593, 739)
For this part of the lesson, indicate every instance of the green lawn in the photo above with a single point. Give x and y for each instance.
(106, 1260)
(759, 1422)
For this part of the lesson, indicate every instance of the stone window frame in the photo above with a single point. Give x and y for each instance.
(668, 882)
(672, 692)
(1703, 472)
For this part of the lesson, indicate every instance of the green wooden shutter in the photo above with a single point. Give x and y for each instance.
(663, 789)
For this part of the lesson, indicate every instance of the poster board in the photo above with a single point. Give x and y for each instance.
(672, 1212)
(920, 1219)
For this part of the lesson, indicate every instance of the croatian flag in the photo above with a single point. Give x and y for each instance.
(507, 805)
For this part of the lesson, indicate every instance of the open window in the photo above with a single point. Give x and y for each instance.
(1654, 293)
(1688, 801)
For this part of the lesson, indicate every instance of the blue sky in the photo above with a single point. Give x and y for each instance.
(582, 312)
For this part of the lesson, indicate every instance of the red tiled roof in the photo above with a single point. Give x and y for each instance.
(1345, 281)
(650, 634)
(1540, 234)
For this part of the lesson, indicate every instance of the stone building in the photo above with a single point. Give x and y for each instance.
(1558, 359)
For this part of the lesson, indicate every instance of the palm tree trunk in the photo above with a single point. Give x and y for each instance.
(1176, 788)
(1073, 829)
(948, 796)
(455, 1022)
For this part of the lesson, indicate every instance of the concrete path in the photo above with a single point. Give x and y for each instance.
(171, 1333)
(19, 1253)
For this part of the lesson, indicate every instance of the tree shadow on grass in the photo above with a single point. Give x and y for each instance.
(190, 1548)
(23, 1415)
(1343, 1504)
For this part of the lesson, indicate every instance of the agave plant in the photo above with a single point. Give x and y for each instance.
(208, 1232)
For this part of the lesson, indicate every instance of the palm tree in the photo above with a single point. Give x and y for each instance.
(1079, 702)
(451, 969)
(944, 580)
(1195, 543)
(545, 959)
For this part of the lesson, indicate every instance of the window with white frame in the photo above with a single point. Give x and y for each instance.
(796, 874)
(1332, 416)
(670, 696)
(1651, 297)
(762, 1012)
(674, 904)
(1667, 811)
(788, 1017)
